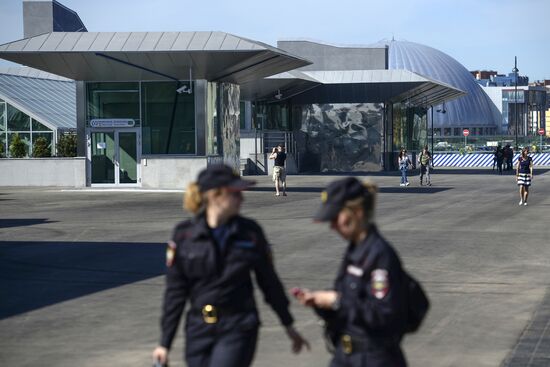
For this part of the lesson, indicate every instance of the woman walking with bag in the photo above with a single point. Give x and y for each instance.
(367, 312)
(524, 175)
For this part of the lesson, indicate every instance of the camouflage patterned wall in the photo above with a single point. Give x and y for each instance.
(230, 134)
(340, 137)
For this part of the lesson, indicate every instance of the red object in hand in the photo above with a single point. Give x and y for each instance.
(296, 291)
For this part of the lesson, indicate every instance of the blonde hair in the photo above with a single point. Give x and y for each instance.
(194, 200)
(366, 202)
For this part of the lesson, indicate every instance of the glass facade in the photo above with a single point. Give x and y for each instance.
(14, 121)
(113, 100)
(212, 130)
(410, 127)
(166, 118)
(271, 116)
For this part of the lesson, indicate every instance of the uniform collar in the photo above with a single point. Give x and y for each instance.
(201, 229)
(357, 253)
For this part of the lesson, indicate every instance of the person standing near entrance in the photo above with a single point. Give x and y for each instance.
(425, 161)
(404, 163)
(279, 172)
(209, 262)
(524, 175)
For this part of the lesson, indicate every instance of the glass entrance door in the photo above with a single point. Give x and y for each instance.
(114, 157)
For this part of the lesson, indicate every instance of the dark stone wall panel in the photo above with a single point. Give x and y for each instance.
(340, 137)
(230, 129)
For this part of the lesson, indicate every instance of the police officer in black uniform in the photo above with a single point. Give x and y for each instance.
(365, 314)
(209, 263)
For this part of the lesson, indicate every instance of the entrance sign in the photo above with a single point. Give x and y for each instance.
(541, 131)
(465, 132)
(112, 123)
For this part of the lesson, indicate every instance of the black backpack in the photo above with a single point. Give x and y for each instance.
(417, 303)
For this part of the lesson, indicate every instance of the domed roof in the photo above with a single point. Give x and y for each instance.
(472, 110)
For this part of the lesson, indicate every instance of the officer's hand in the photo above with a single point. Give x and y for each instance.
(298, 342)
(160, 354)
(324, 299)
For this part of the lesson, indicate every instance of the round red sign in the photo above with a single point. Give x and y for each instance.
(465, 132)
(541, 131)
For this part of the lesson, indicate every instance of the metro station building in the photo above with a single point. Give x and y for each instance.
(154, 108)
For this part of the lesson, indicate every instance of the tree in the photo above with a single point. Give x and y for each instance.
(41, 148)
(66, 146)
(17, 147)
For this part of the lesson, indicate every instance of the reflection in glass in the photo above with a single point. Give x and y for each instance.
(103, 157)
(17, 120)
(2, 116)
(113, 100)
(168, 119)
(37, 126)
(127, 157)
(212, 119)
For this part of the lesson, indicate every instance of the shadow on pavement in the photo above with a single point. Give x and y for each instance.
(6, 223)
(39, 274)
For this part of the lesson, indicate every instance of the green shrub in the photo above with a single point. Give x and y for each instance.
(17, 147)
(41, 148)
(2, 149)
(66, 146)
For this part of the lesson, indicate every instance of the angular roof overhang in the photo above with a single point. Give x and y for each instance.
(353, 86)
(118, 56)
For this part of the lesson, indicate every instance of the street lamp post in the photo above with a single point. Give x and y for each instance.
(515, 70)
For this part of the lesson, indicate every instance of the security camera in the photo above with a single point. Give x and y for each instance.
(279, 95)
(183, 89)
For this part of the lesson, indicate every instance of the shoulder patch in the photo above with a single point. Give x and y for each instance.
(170, 253)
(379, 282)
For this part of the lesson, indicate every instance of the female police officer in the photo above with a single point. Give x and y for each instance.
(366, 312)
(209, 262)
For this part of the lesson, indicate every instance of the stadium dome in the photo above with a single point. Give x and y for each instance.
(473, 110)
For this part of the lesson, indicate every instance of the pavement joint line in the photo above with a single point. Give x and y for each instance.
(124, 190)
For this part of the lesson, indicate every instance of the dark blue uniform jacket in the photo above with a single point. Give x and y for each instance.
(206, 273)
(372, 304)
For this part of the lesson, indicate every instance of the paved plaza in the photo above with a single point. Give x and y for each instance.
(81, 270)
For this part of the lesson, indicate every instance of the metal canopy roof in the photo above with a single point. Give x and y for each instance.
(49, 101)
(117, 56)
(366, 86)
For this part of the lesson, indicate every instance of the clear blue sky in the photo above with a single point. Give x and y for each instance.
(480, 34)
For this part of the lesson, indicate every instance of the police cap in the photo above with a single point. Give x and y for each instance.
(336, 195)
(220, 175)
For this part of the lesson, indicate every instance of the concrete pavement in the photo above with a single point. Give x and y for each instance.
(81, 284)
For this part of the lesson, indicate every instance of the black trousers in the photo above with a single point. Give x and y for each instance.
(231, 349)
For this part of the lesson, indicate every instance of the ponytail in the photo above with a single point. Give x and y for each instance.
(192, 199)
(370, 200)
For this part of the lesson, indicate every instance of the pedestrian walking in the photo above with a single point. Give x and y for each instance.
(404, 164)
(500, 159)
(425, 162)
(524, 175)
(209, 262)
(279, 171)
(367, 311)
(509, 157)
